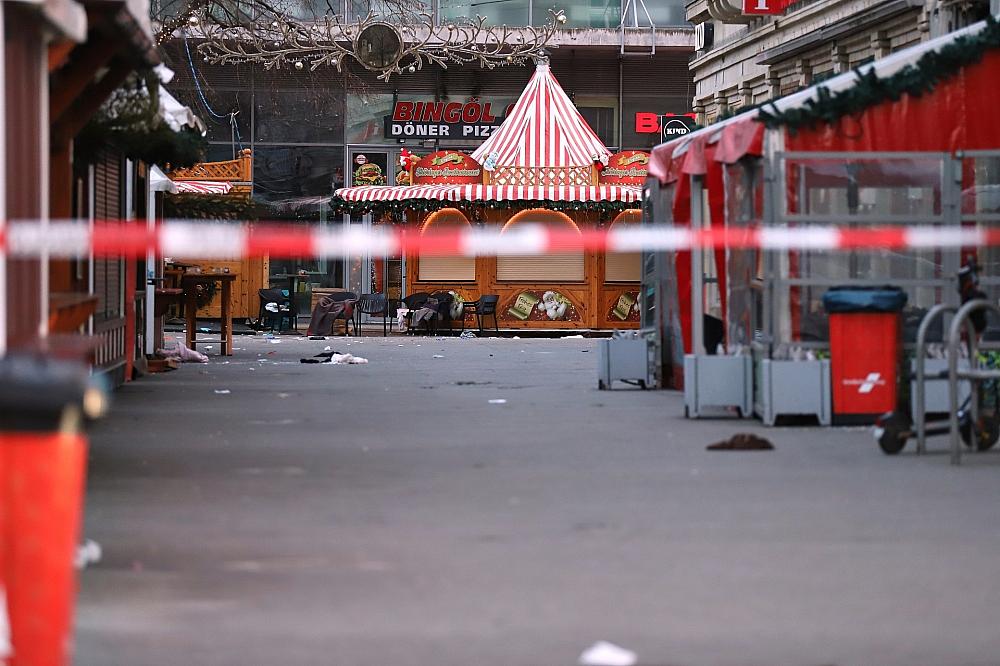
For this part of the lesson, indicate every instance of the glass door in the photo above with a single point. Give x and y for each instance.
(373, 165)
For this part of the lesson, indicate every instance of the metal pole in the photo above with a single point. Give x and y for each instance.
(920, 413)
(3, 203)
(697, 273)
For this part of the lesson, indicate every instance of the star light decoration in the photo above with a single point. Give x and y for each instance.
(377, 45)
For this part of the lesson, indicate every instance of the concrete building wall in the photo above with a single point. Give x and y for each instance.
(754, 59)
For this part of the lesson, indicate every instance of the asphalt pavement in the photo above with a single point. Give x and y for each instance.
(257, 511)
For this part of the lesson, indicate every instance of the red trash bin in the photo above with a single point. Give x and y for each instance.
(865, 351)
(42, 468)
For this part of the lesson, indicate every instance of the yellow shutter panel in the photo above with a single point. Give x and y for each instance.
(447, 269)
(547, 268)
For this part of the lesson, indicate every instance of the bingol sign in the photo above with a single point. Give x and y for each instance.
(667, 125)
(444, 120)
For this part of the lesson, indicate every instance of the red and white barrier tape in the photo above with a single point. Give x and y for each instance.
(232, 240)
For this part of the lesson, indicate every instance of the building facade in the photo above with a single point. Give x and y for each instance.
(743, 60)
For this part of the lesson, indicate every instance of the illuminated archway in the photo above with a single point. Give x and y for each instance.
(624, 266)
(562, 267)
(437, 268)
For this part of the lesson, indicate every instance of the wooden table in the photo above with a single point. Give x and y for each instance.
(190, 282)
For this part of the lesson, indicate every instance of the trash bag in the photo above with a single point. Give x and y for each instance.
(886, 298)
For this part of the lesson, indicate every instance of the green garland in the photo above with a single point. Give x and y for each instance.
(932, 69)
(130, 122)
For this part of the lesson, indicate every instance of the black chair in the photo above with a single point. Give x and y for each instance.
(486, 306)
(336, 297)
(445, 300)
(414, 302)
(265, 317)
(372, 304)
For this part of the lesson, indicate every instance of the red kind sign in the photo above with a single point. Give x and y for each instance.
(765, 6)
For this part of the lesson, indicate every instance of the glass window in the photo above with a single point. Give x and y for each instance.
(393, 11)
(496, 12)
(313, 115)
(580, 14)
(366, 116)
(602, 120)
(292, 172)
(663, 12)
(223, 103)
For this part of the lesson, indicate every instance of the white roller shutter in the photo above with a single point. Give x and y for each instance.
(447, 269)
(547, 268)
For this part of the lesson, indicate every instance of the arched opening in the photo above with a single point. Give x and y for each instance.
(435, 268)
(562, 267)
(624, 266)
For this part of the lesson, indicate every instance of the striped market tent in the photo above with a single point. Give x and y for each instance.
(543, 151)
(203, 187)
(544, 129)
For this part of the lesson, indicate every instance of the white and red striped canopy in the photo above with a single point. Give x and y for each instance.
(493, 193)
(203, 187)
(544, 129)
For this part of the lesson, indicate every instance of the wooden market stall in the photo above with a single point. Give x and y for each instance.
(229, 178)
(544, 166)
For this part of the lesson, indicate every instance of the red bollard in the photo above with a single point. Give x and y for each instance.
(42, 477)
(42, 469)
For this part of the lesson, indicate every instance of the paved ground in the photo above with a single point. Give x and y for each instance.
(389, 515)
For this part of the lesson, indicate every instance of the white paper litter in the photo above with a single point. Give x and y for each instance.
(222, 391)
(498, 401)
(275, 342)
(573, 337)
(437, 356)
(328, 348)
(87, 553)
(346, 359)
(603, 653)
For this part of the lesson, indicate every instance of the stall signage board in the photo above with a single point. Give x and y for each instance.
(628, 167)
(447, 167)
(765, 6)
(444, 120)
(667, 125)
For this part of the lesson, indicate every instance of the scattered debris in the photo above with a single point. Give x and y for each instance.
(466, 335)
(347, 359)
(327, 348)
(222, 391)
(498, 401)
(743, 441)
(317, 337)
(572, 337)
(275, 342)
(178, 351)
(437, 356)
(87, 553)
(603, 653)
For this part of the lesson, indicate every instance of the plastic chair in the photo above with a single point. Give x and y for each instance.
(486, 306)
(266, 317)
(372, 304)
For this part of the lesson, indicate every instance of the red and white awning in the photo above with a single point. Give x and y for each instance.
(203, 187)
(493, 193)
(544, 129)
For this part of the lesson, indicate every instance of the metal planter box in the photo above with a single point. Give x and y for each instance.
(624, 359)
(794, 388)
(718, 381)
